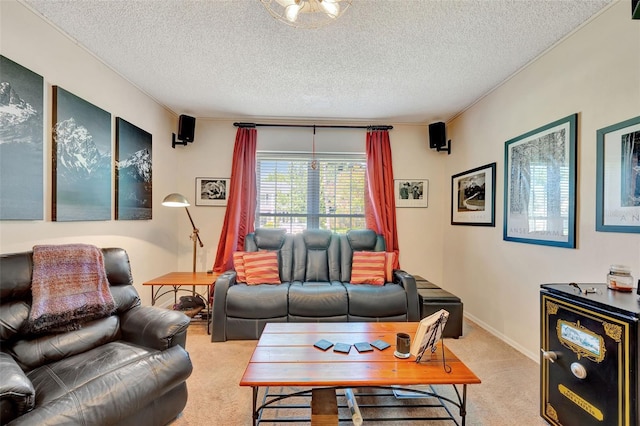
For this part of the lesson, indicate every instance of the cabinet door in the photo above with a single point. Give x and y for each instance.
(586, 367)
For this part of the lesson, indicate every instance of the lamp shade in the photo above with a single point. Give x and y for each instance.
(175, 200)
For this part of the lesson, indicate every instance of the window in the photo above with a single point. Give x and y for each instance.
(546, 203)
(295, 196)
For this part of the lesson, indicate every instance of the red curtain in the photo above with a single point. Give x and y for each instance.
(241, 205)
(380, 204)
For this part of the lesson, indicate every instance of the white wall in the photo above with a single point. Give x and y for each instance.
(152, 245)
(420, 230)
(596, 73)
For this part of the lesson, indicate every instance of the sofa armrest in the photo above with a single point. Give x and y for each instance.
(219, 317)
(17, 395)
(154, 327)
(407, 281)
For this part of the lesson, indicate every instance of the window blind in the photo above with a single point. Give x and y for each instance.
(296, 191)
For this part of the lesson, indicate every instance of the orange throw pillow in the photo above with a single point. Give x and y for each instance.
(238, 265)
(368, 267)
(389, 260)
(261, 267)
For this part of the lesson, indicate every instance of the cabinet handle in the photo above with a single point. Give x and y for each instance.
(549, 355)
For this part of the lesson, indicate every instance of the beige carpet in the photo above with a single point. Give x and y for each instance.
(508, 395)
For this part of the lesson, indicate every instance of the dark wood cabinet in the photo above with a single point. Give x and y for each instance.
(589, 355)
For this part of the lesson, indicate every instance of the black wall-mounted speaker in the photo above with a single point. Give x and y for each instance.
(437, 135)
(186, 128)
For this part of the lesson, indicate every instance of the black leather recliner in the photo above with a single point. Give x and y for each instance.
(127, 369)
(315, 271)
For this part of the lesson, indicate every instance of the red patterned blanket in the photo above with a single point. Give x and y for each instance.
(69, 287)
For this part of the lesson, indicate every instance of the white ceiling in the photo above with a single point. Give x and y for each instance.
(384, 60)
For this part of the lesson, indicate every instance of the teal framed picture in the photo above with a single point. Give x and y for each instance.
(618, 177)
(540, 185)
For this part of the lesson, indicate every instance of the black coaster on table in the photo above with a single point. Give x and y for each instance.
(323, 344)
(363, 347)
(342, 347)
(380, 345)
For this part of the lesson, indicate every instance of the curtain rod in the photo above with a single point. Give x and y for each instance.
(313, 126)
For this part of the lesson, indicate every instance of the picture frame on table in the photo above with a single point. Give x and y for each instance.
(618, 177)
(212, 191)
(473, 196)
(411, 192)
(540, 185)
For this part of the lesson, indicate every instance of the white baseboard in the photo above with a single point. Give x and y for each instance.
(533, 356)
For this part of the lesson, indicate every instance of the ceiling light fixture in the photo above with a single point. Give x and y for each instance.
(308, 14)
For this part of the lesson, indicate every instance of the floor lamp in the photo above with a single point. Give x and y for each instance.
(179, 200)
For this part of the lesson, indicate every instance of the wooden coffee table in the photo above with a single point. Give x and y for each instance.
(285, 356)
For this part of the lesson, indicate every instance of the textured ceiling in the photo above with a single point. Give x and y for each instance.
(401, 61)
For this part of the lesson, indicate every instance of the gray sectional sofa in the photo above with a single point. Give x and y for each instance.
(315, 271)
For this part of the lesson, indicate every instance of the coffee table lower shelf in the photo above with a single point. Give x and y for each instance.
(424, 399)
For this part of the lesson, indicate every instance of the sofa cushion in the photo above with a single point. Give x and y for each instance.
(273, 240)
(353, 241)
(17, 395)
(318, 299)
(375, 301)
(316, 256)
(261, 267)
(238, 265)
(389, 260)
(368, 268)
(257, 301)
(105, 385)
(34, 352)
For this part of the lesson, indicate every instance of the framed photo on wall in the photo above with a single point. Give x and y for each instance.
(411, 192)
(473, 196)
(81, 167)
(618, 177)
(540, 185)
(212, 191)
(21, 143)
(133, 172)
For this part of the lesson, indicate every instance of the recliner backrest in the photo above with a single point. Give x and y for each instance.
(29, 350)
(316, 256)
(357, 240)
(274, 240)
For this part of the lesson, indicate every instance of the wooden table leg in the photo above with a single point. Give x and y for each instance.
(324, 407)
(254, 413)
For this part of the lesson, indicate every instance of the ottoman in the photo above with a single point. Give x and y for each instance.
(433, 299)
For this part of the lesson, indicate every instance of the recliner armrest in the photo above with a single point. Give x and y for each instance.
(17, 395)
(219, 317)
(154, 327)
(407, 281)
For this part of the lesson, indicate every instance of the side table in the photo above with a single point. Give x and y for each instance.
(176, 280)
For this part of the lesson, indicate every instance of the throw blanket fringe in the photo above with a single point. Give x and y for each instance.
(69, 287)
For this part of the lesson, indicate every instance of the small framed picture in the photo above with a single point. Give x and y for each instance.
(473, 196)
(212, 191)
(411, 192)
